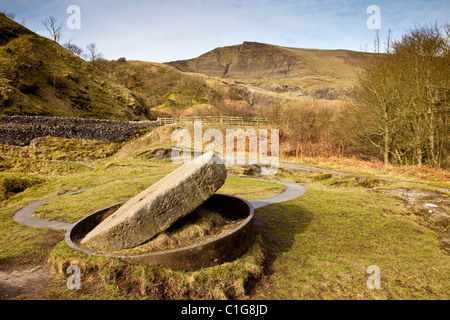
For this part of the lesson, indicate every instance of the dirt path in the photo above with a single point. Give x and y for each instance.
(25, 283)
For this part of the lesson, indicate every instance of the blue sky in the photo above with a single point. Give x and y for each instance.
(167, 30)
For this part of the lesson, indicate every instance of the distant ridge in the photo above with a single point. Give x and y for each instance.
(253, 60)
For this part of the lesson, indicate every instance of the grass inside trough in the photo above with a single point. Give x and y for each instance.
(199, 226)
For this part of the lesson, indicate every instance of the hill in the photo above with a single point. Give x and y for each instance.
(40, 77)
(268, 65)
(162, 90)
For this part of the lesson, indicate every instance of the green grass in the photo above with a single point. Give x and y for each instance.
(318, 246)
(100, 275)
(18, 242)
(60, 149)
(432, 177)
(324, 242)
(250, 189)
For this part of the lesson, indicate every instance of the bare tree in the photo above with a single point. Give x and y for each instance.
(73, 48)
(92, 53)
(9, 14)
(423, 55)
(51, 24)
(403, 100)
(377, 106)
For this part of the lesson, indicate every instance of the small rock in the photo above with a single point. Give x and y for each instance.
(35, 143)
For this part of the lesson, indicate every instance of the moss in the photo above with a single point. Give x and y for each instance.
(11, 185)
(60, 149)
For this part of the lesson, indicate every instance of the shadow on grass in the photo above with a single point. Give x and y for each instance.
(279, 225)
(8, 291)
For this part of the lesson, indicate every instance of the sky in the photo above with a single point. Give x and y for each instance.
(168, 30)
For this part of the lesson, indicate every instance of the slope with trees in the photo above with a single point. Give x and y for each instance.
(40, 77)
(403, 104)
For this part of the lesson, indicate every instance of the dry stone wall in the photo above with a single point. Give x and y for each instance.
(20, 130)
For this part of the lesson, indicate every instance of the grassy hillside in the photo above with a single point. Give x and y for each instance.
(40, 77)
(264, 63)
(162, 90)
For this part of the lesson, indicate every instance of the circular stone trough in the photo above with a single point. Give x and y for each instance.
(224, 248)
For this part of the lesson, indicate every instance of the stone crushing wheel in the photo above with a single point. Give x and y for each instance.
(224, 248)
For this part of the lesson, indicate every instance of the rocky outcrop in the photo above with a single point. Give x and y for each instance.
(157, 208)
(253, 60)
(269, 74)
(248, 60)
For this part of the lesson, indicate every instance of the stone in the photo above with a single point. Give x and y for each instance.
(158, 207)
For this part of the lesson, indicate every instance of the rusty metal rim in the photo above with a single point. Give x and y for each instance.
(68, 235)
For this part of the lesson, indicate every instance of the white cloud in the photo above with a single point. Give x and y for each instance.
(167, 30)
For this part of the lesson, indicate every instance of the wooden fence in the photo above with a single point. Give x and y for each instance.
(164, 121)
(248, 121)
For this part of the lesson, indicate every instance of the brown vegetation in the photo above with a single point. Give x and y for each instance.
(402, 107)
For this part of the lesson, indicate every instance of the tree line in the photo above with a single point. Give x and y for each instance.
(402, 103)
(399, 112)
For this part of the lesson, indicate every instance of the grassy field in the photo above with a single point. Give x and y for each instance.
(318, 246)
(324, 242)
(423, 175)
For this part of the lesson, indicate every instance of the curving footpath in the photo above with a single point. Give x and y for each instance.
(293, 191)
(26, 215)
